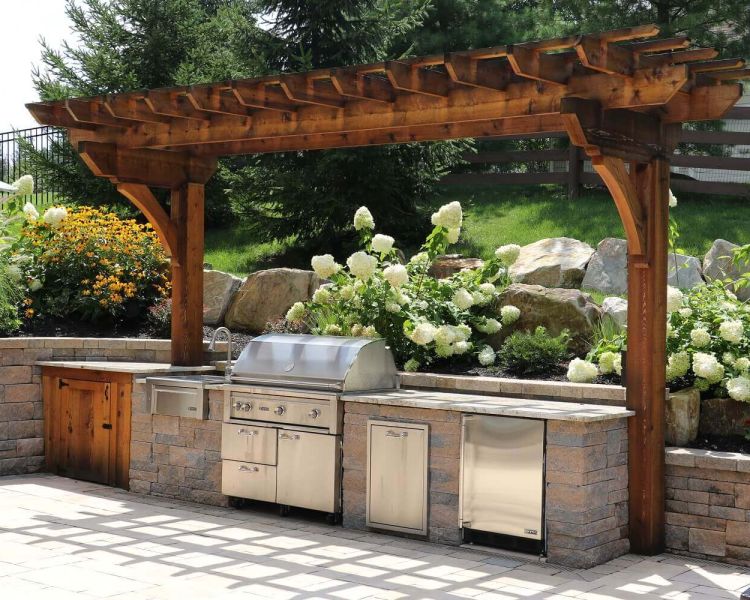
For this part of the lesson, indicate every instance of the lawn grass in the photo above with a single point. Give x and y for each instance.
(496, 215)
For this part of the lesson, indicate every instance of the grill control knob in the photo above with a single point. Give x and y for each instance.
(279, 410)
(247, 407)
(314, 413)
(238, 405)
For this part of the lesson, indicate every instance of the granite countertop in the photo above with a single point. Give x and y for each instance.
(493, 405)
(113, 366)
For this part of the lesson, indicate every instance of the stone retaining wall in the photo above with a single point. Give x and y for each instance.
(176, 457)
(21, 406)
(708, 504)
(586, 501)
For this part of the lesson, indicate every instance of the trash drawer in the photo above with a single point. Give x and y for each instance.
(248, 480)
(397, 461)
(248, 443)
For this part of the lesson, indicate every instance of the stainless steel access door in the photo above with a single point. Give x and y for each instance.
(309, 470)
(503, 475)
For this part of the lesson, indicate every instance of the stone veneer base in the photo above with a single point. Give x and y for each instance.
(708, 504)
(586, 500)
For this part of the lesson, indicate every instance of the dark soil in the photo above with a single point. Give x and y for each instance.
(733, 443)
(557, 373)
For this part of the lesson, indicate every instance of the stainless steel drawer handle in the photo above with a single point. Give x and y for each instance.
(249, 469)
(396, 434)
(246, 432)
(287, 436)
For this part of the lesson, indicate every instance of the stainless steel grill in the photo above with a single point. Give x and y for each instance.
(283, 417)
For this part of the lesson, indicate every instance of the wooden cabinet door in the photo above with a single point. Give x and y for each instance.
(85, 430)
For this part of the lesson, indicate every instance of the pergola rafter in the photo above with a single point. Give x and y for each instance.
(620, 95)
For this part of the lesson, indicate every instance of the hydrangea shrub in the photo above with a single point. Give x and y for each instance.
(423, 319)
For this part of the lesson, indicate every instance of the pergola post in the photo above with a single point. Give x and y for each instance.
(187, 275)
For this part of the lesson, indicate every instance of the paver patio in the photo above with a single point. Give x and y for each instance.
(61, 538)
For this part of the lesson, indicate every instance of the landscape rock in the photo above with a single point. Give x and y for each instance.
(267, 295)
(615, 309)
(552, 262)
(607, 271)
(718, 264)
(555, 309)
(448, 264)
(723, 416)
(684, 271)
(681, 417)
(218, 289)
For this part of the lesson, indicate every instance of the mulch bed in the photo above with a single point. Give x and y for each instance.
(557, 373)
(734, 443)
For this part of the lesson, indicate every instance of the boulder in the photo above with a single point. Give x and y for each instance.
(448, 264)
(615, 309)
(218, 289)
(607, 270)
(681, 417)
(718, 264)
(553, 308)
(267, 295)
(723, 416)
(553, 262)
(684, 271)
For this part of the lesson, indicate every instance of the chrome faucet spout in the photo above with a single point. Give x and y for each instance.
(212, 347)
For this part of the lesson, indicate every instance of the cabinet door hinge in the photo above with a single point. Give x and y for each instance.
(61, 384)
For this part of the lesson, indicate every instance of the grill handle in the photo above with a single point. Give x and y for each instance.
(396, 434)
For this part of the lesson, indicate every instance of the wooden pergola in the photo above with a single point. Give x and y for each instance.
(620, 95)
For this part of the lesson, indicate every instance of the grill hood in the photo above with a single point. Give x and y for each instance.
(344, 364)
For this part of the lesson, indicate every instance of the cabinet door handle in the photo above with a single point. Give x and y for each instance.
(396, 434)
(246, 432)
(249, 469)
(106, 425)
(288, 436)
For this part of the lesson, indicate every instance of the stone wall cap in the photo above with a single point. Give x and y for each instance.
(123, 366)
(493, 405)
(709, 459)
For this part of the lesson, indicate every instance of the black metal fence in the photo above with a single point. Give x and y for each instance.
(13, 164)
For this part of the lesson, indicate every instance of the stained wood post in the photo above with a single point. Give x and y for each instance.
(187, 275)
(646, 358)
(574, 171)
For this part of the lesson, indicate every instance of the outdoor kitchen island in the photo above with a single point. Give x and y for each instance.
(583, 483)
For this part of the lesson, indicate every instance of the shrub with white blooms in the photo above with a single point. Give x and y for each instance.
(510, 314)
(508, 254)
(739, 388)
(674, 299)
(582, 371)
(423, 319)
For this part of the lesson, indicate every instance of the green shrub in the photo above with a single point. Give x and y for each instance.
(159, 319)
(10, 300)
(534, 353)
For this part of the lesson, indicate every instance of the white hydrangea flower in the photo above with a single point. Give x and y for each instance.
(449, 216)
(453, 235)
(699, 337)
(322, 296)
(674, 299)
(678, 365)
(607, 362)
(382, 243)
(462, 299)
(728, 359)
(671, 333)
(489, 327)
(486, 356)
(357, 330)
(333, 329)
(423, 334)
(617, 364)
(296, 312)
(324, 265)
(444, 350)
(508, 253)
(396, 275)
(362, 265)
(346, 292)
(479, 298)
(445, 335)
(582, 371)
(392, 307)
(461, 347)
(729, 306)
(35, 285)
(488, 289)
(24, 185)
(363, 219)
(672, 200)
(742, 364)
(732, 331)
(400, 297)
(686, 312)
(739, 388)
(55, 216)
(30, 212)
(707, 366)
(420, 259)
(510, 314)
(411, 365)
(370, 331)
(463, 331)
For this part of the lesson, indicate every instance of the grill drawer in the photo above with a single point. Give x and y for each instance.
(248, 480)
(248, 443)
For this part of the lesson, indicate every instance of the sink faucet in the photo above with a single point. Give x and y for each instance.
(212, 347)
